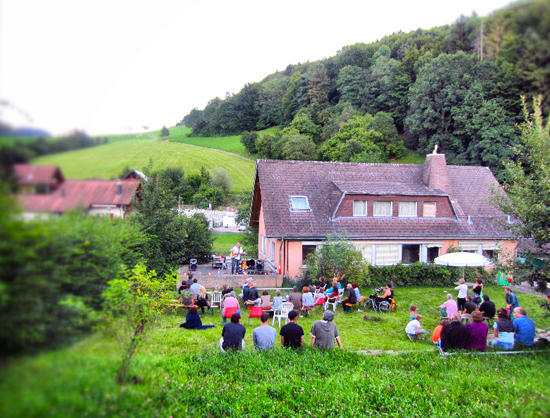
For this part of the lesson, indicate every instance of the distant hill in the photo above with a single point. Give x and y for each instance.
(457, 86)
(108, 160)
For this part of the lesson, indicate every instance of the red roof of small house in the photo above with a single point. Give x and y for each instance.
(82, 194)
(28, 174)
(468, 189)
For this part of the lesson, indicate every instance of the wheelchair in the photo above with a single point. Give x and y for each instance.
(376, 305)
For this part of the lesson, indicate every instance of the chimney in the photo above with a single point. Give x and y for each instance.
(118, 188)
(435, 174)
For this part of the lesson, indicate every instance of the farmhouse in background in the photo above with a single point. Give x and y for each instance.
(392, 213)
(98, 197)
(32, 179)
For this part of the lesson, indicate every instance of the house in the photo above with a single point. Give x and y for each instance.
(37, 179)
(99, 197)
(392, 213)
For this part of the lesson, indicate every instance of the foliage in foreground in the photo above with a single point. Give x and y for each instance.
(52, 274)
(132, 306)
(278, 383)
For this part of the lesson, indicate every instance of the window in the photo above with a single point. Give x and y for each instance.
(382, 209)
(407, 209)
(359, 208)
(433, 253)
(272, 251)
(387, 255)
(307, 250)
(410, 253)
(299, 204)
(366, 251)
(429, 210)
(264, 245)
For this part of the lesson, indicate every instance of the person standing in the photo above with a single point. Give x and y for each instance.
(264, 336)
(292, 334)
(236, 253)
(462, 293)
(511, 301)
(325, 332)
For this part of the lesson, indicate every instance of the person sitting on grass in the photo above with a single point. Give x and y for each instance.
(487, 308)
(477, 332)
(307, 300)
(230, 302)
(412, 312)
(266, 300)
(524, 329)
(503, 331)
(325, 332)
(264, 335)
(436, 335)
(233, 334)
(469, 306)
(454, 335)
(350, 299)
(414, 328)
(292, 334)
(296, 299)
(193, 321)
(449, 308)
(202, 299)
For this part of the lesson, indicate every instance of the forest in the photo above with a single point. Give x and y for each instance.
(458, 86)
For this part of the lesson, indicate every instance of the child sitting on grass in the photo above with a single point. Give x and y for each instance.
(412, 311)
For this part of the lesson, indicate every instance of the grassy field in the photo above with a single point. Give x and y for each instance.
(225, 143)
(224, 242)
(107, 161)
(180, 373)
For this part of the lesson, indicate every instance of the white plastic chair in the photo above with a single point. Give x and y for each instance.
(334, 304)
(282, 313)
(216, 299)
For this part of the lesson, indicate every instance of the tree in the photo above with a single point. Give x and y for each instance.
(351, 84)
(527, 183)
(132, 305)
(248, 139)
(164, 131)
(220, 178)
(337, 258)
(297, 147)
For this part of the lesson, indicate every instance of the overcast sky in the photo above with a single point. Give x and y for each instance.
(115, 65)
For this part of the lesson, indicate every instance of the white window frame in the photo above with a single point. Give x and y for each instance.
(292, 209)
(382, 216)
(365, 204)
(264, 245)
(424, 209)
(408, 216)
(272, 251)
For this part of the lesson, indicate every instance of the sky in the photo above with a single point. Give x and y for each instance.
(118, 66)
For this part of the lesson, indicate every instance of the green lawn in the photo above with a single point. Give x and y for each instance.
(224, 242)
(180, 373)
(107, 161)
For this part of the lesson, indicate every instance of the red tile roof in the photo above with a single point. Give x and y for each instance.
(82, 193)
(27, 174)
(324, 183)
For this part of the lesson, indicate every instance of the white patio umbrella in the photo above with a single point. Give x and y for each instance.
(462, 259)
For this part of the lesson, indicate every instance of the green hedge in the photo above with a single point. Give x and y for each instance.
(420, 274)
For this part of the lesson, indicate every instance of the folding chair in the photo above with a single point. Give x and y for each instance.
(282, 313)
(216, 300)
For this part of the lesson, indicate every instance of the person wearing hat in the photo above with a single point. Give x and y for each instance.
(324, 332)
(477, 332)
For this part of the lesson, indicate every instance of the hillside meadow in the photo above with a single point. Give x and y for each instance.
(179, 372)
(108, 160)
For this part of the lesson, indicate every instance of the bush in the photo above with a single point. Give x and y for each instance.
(220, 178)
(164, 131)
(52, 274)
(421, 274)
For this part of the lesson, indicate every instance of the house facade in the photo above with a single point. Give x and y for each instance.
(392, 213)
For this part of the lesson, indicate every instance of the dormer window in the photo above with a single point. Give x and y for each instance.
(429, 209)
(407, 209)
(299, 204)
(359, 208)
(382, 209)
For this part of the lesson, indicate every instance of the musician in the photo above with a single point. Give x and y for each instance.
(236, 253)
